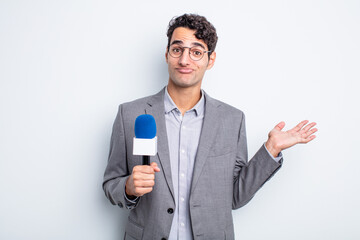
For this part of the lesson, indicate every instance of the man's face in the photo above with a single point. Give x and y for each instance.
(183, 71)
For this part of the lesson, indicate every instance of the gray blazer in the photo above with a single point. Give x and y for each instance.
(223, 179)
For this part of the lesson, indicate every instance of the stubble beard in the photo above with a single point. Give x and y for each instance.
(177, 81)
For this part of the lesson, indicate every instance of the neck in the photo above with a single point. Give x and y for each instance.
(184, 98)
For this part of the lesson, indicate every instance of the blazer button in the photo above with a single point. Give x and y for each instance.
(170, 211)
(163, 239)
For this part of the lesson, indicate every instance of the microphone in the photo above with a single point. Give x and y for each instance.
(145, 140)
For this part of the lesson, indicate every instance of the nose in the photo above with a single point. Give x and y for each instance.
(184, 60)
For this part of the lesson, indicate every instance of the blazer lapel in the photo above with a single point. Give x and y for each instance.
(207, 137)
(156, 109)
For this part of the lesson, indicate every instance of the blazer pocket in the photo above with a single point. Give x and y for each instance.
(219, 235)
(133, 231)
(220, 151)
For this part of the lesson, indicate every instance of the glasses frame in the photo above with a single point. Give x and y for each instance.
(190, 55)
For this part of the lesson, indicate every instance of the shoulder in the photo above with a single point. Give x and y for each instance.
(137, 102)
(225, 108)
(144, 101)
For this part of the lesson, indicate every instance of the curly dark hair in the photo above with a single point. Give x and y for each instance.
(204, 29)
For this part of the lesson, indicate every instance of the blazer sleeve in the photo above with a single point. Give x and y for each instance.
(250, 176)
(117, 170)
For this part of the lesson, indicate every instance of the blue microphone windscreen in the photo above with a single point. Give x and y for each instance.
(145, 126)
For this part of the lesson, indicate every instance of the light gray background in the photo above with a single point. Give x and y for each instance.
(66, 65)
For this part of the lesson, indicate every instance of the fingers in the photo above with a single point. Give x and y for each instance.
(308, 135)
(141, 183)
(306, 140)
(143, 176)
(280, 126)
(311, 138)
(143, 169)
(141, 191)
(309, 126)
(147, 169)
(155, 167)
(299, 126)
(145, 172)
(142, 179)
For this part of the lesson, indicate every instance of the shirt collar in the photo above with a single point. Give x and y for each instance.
(170, 105)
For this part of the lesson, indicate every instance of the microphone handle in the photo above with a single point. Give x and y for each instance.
(146, 160)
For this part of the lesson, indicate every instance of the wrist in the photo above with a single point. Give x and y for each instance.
(272, 148)
(130, 197)
(128, 193)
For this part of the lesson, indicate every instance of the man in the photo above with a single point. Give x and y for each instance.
(201, 171)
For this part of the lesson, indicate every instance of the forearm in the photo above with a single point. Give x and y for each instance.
(272, 148)
(116, 172)
(114, 190)
(253, 176)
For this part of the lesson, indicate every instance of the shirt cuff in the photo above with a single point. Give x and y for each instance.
(130, 204)
(276, 159)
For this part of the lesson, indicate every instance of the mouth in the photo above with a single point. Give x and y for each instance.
(185, 70)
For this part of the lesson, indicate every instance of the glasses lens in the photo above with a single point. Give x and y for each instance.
(175, 51)
(196, 54)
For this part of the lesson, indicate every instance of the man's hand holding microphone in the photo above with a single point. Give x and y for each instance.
(142, 178)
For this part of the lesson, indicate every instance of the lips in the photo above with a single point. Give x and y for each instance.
(185, 70)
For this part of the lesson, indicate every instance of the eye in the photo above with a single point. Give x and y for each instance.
(176, 50)
(196, 52)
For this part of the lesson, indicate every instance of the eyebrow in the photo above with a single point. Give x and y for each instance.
(193, 43)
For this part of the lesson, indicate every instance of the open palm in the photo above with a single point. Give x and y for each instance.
(280, 140)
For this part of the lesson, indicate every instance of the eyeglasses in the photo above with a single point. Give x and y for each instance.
(195, 53)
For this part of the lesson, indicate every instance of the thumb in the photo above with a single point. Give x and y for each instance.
(280, 126)
(155, 167)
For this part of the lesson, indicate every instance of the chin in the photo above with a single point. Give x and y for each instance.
(185, 84)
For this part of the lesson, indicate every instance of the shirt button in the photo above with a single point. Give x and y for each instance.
(182, 175)
(183, 151)
(170, 210)
(182, 199)
(184, 127)
(182, 224)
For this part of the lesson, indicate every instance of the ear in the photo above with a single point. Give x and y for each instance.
(166, 55)
(211, 60)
